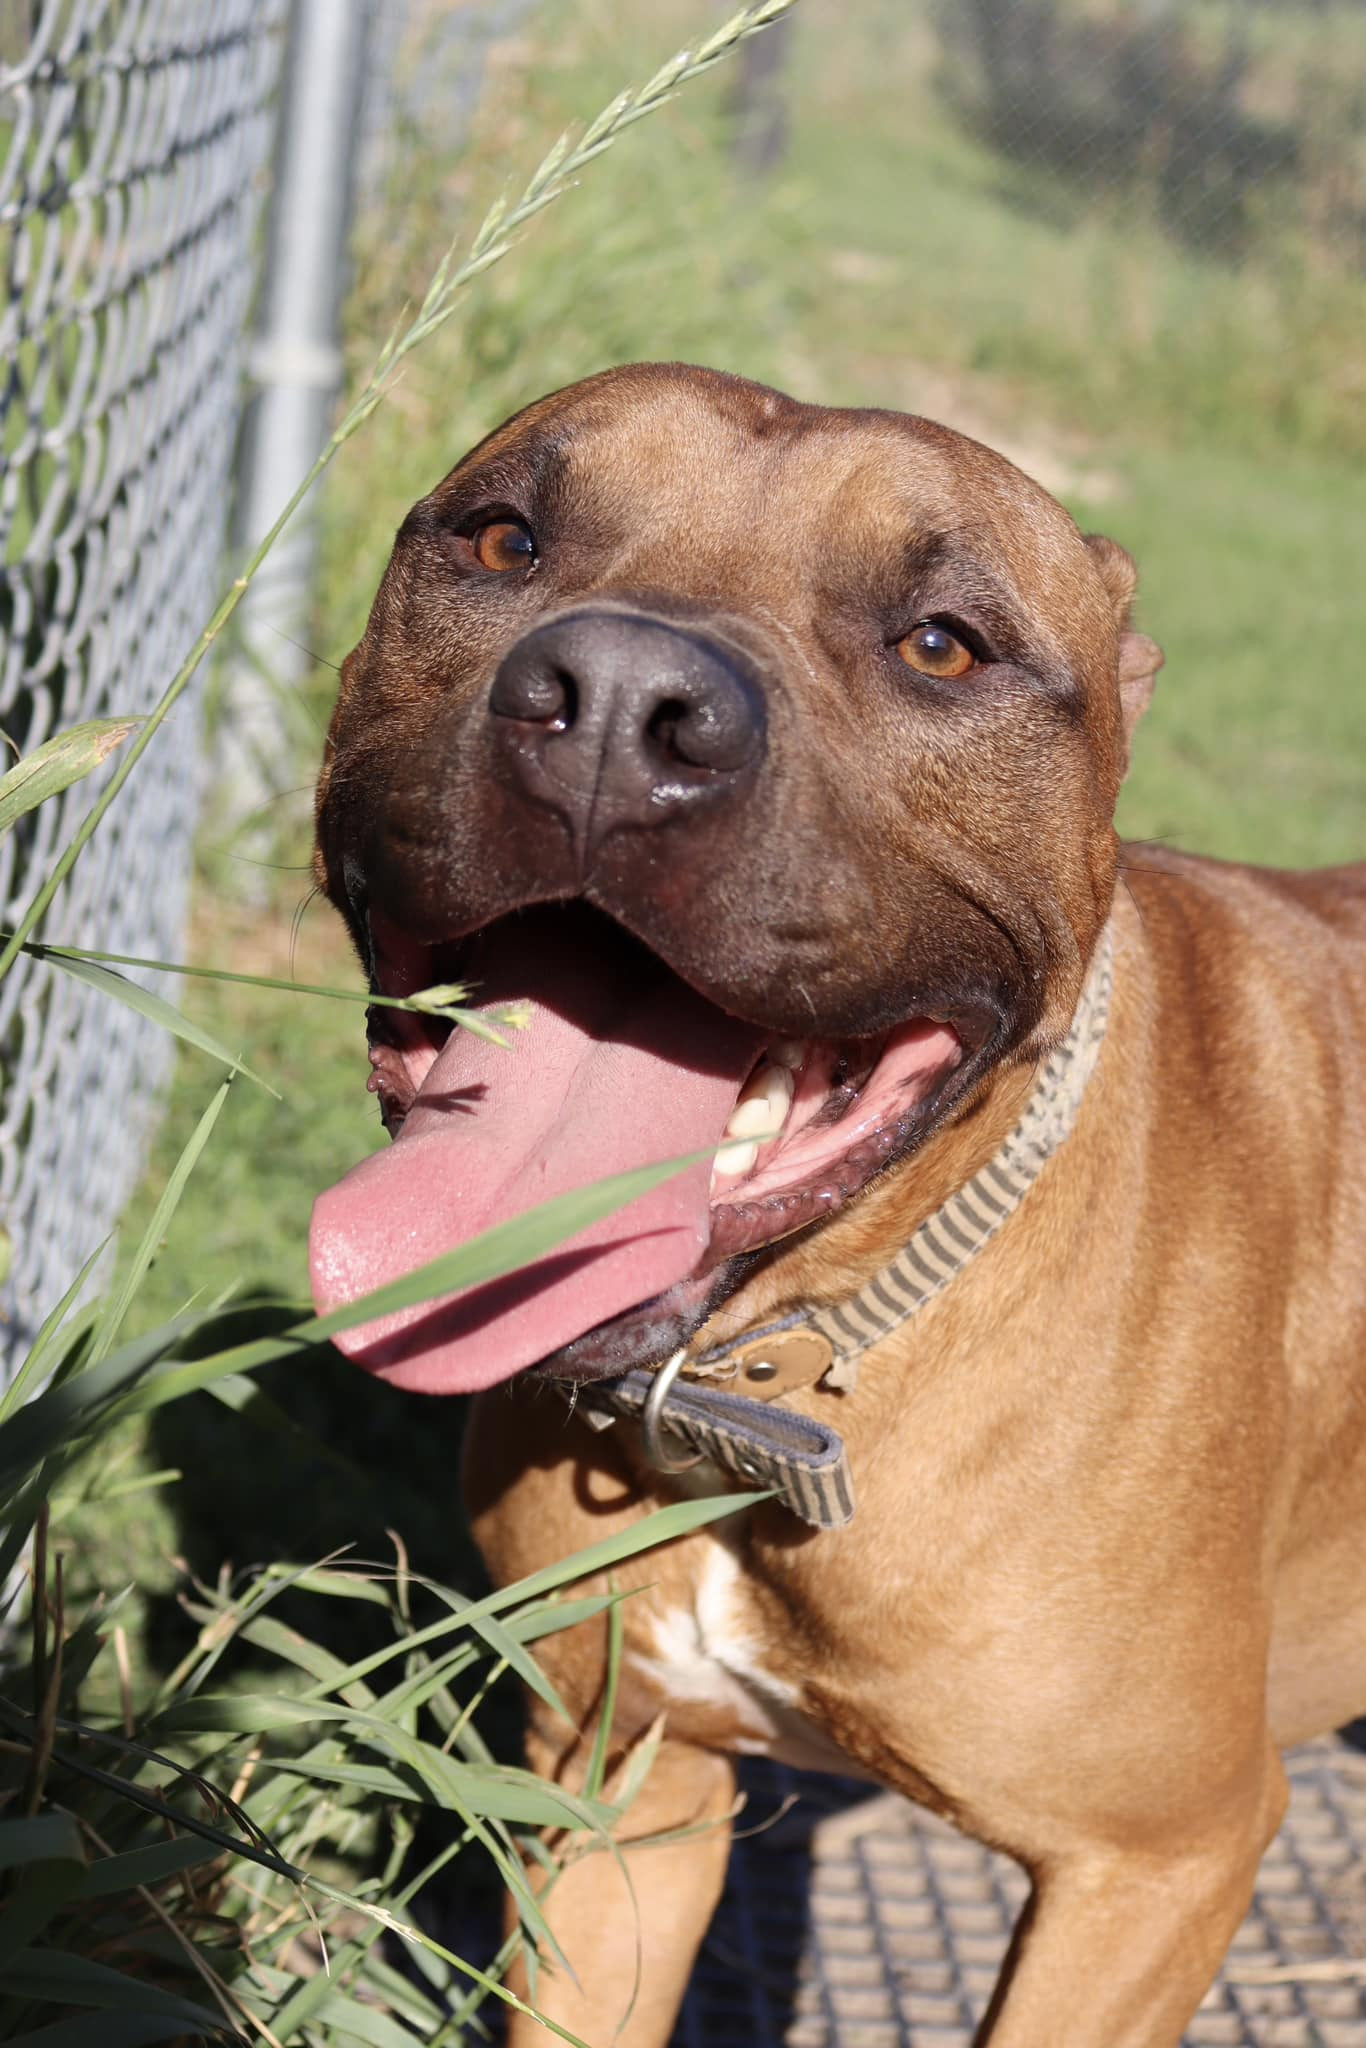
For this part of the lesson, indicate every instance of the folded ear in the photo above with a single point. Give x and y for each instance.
(1139, 657)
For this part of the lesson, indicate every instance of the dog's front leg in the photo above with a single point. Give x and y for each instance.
(630, 1925)
(1117, 1948)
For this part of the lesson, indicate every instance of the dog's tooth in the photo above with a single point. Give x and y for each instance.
(763, 1105)
(788, 1052)
(752, 1117)
(769, 1084)
(735, 1160)
(754, 1086)
(779, 1088)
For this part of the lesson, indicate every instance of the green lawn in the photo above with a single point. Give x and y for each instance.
(1255, 747)
(1203, 414)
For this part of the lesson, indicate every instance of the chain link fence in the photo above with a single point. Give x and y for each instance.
(133, 141)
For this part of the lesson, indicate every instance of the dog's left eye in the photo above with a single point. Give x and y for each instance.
(504, 544)
(935, 651)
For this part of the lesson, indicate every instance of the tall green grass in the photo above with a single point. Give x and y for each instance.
(183, 1868)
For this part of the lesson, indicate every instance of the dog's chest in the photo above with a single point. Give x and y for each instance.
(706, 1658)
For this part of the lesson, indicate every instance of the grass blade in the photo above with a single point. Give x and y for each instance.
(55, 1419)
(60, 761)
(116, 2030)
(447, 1000)
(602, 1740)
(530, 1807)
(500, 1643)
(40, 1838)
(36, 1896)
(665, 1525)
(32, 1368)
(346, 2019)
(111, 1320)
(155, 1008)
(491, 1255)
(501, 1793)
(241, 1393)
(152, 1865)
(69, 1979)
(494, 1253)
(506, 1247)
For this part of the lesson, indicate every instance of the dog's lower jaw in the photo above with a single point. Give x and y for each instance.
(647, 1335)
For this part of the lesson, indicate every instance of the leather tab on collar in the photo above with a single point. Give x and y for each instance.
(768, 1367)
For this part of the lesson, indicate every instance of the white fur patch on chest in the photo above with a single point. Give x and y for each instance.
(704, 1653)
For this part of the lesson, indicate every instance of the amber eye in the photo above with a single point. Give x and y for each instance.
(935, 651)
(504, 544)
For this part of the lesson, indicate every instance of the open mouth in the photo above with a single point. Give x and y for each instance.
(621, 1064)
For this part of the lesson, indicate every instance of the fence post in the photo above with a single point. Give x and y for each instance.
(296, 365)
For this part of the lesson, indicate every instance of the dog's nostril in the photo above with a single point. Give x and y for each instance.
(566, 700)
(664, 724)
(536, 694)
(716, 728)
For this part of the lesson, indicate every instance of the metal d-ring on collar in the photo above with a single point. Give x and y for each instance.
(652, 1417)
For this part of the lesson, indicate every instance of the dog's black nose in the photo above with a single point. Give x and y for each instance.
(615, 718)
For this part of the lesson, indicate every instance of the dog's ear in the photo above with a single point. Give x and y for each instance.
(1139, 657)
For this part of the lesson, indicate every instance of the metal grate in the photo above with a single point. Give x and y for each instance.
(856, 1921)
(852, 1919)
(133, 134)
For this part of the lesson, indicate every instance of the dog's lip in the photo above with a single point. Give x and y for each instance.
(404, 959)
(781, 1196)
(854, 1106)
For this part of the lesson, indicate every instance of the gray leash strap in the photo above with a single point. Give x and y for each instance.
(761, 1445)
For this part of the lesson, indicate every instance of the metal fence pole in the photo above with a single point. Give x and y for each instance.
(296, 365)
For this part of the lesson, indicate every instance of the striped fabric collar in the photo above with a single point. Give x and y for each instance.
(803, 1459)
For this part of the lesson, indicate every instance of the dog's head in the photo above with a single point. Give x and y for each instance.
(769, 753)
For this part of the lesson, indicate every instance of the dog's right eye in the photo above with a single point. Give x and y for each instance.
(935, 651)
(504, 544)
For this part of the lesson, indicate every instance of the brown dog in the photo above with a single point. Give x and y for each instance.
(772, 751)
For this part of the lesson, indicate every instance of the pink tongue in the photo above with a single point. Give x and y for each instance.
(620, 1066)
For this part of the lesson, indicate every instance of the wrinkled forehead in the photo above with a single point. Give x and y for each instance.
(650, 457)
